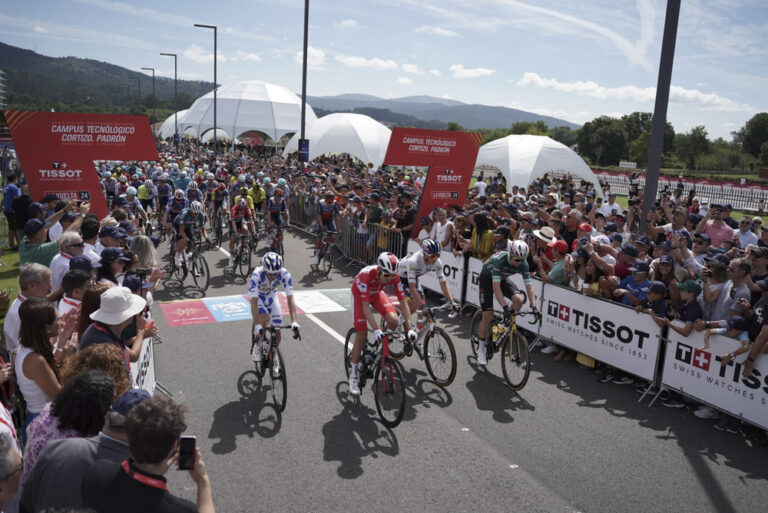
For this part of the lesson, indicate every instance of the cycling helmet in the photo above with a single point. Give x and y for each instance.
(179, 194)
(266, 180)
(519, 250)
(241, 178)
(260, 174)
(134, 177)
(164, 177)
(222, 186)
(387, 262)
(205, 167)
(278, 192)
(196, 207)
(148, 184)
(193, 185)
(183, 174)
(123, 178)
(281, 181)
(107, 174)
(210, 176)
(431, 247)
(242, 203)
(130, 191)
(272, 262)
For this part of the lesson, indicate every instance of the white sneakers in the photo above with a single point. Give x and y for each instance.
(276, 368)
(481, 358)
(231, 261)
(256, 352)
(549, 349)
(354, 381)
(317, 257)
(177, 259)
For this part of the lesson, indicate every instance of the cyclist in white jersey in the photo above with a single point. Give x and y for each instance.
(265, 305)
(417, 264)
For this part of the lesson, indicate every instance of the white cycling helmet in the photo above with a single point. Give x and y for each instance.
(196, 207)
(519, 250)
(260, 174)
(272, 262)
(210, 176)
(123, 178)
(281, 181)
(266, 180)
(431, 247)
(387, 262)
(107, 174)
(164, 177)
(179, 194)
(149, 184)
(193, 185)
(130, 191)
(241, 178)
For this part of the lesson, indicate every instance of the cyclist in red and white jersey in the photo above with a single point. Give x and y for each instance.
(367, 292)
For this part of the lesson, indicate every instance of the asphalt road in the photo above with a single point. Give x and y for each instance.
(566, 443)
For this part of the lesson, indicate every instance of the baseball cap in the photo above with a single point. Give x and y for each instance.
(112, 231)
(645, 241)
(718, 258)
(640, 267)
(585, 227)
(629, 249)
(33, 226)
(615, 237)
(620, 215)
(703, 236)
(666, 259)
(610, 227)
(34, 208)
(599, 214)
(690, 286)
(124, 404)
(591, 194)
(657, 287)
(737, 322)
(502, 230)
(82, 262)
(560, 245)
(113, 254)
(68, 216)
(128, 226)
(50, 197)
(134, 283)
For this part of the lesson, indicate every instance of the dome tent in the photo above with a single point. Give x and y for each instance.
(169, 125)
(244, 106)
(523, 158)
(359, 135)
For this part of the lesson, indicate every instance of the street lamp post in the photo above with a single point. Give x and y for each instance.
(304, 78)
(215, 84)
(175, 107)
(154, 98)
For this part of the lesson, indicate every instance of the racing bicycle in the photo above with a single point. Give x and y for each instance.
(193, 263)
(326, 253)
(507, 339)
(272, 364)
(388, 384)
(242, 257)
(275, 240)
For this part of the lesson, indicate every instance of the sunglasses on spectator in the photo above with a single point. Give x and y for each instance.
(77, 245)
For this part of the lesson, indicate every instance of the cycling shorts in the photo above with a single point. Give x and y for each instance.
(326, 226)
(407, 288)
(270, 304)
(163, 202)
(172, 216)
(235, 225)
(508, 289)
(380, 303)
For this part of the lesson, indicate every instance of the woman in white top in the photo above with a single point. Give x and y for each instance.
(442, 231)
(37, 363)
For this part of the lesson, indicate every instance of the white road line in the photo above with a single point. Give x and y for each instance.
(224, 251)
(326, 328)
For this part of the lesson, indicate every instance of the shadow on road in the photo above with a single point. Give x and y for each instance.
(492, 394)
(421, 391)
(252, 414)
(355, 433)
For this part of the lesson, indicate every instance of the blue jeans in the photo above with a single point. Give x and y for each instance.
(27, 421)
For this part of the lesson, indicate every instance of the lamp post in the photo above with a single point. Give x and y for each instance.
(175, 107)
(154, 98)
(304, 79)
(215, 84)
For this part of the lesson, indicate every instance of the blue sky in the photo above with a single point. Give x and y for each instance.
(573, 60)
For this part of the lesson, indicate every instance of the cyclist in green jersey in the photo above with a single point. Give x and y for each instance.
(494, 283)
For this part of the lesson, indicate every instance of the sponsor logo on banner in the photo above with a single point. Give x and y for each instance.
(597, 328)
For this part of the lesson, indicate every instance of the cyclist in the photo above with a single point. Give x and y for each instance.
(265, 305)
(109, 184)
(194, 193)
(219, 199)
(367, 292)
(258, 196)
(122, 185)
(237, 185)
(182, 182)
(133, 205)
(276, 207)
(164, 191)
(187, 223)
(417, 264)
(240, 223)
(494, 284)
(207, 187)
(174, 208)
(146, 194)
(327, 213)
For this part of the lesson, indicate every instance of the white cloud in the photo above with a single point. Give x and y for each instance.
(362, 62)
(246, 57)
(404, 81)
(413, 69)
(435, 72)
(40, 30)
(345, 24)
(459, 71)
(437, 31)
(677, 94)
(197, 54)
(315, 58)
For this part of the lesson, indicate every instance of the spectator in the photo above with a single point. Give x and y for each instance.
(10, 469)
(405, 218)
(714, 226)
(480, 245)
(90, 303)
(90, 234)
(426, 228)
(153, 428)
(74, 285)
(34, 281)
(630, 290)
(10, 193)
(654, 299)
(611, 207)
(70, 245)
(745, 234)
(77, 411)
(110, 237)
(443, 229)
(558, 274)
(112, 269)
(21, 212)
(663, 270)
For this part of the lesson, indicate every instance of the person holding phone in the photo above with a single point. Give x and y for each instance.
(154, 429)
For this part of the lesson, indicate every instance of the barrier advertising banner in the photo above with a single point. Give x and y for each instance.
(700, 374)
(453, 270)
(143, 369)
(450, 156)
(474, 267)
(57, 150)
(607, 331)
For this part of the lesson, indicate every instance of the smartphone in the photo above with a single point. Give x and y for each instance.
(187, 452)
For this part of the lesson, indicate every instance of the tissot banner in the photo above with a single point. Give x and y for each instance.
(450, 156)
(700, 373)
(57, 149)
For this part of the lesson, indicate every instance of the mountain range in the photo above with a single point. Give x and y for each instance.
(38, 82)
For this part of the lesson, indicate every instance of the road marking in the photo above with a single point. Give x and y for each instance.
(224, 251)
(514, 466)
(465, 429)
(326, 328)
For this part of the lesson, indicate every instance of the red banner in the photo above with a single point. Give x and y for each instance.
(450, 156)
(57, 149)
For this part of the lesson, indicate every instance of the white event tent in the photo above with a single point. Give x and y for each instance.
(169, 125)
(523, 158)
(359, 135)
(245, 106)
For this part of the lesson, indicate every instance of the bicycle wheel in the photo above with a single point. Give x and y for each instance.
(440, 357)
(349, 343)
(279, 248)
(244, 257)
(326, 261)
(200, 273)
(277, 381)
(178, 271)
(389, 392)
(397, 347)
(516, 361)
(473, 331)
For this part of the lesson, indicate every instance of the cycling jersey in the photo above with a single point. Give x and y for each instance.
(366, 284)
(413, 266)
(189, 219)
(276, 210)
(194, 195)
(121, 188)
(257, 194)
(238, 214)
(208, 188)
(164, 190)
(222, 174)
(497, 268)
(264, 290)
(248, 201)
(182, 183)
(175, 206)
(218, 196)
(133, 206)
(327, 212)
(109, 185)
(144, 194)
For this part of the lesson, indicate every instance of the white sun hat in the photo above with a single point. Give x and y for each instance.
(118, 304)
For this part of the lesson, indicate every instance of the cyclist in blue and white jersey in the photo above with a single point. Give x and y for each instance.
(182, 182)
(175, 206)
(276, 209)
(417, 264)
(265, 305)
(132, 204)
(164, 191)
(194, 193)
(327, 212)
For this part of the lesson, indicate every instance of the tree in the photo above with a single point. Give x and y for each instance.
(691, 145)
(764, 154)
(564, 135)
(522, 127)
(603, 140)
(455, 127)
(640, 123)
(638, 149)
(753, 134)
